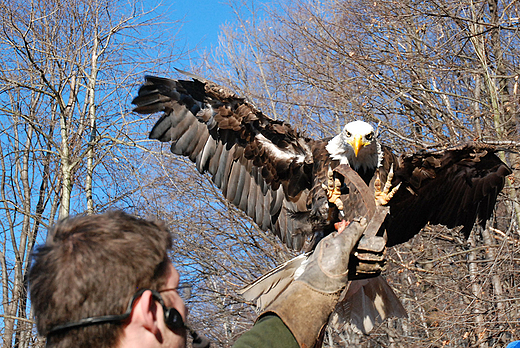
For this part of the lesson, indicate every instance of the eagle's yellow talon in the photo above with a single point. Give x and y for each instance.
(339, 203)
(333, 189)
(384, 196)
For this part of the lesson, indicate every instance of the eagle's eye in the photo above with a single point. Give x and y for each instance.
(348, 134)
(369, 136)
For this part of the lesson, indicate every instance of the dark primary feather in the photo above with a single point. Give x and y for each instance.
(455, 187)
(275, 175)
(261, 165)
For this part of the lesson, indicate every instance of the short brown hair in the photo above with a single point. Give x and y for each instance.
(91, 266)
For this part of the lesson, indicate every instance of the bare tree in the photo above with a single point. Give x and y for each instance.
(67, 72)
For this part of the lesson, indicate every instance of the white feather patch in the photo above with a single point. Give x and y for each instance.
(276, 151)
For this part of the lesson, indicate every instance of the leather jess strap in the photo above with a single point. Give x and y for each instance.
(360, 201)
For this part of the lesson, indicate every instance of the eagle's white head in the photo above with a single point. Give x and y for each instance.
(356, 146)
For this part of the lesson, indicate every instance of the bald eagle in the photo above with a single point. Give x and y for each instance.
(277, 176)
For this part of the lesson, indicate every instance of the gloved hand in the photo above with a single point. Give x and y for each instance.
(308, 301)
(368, 259)
(327, 267)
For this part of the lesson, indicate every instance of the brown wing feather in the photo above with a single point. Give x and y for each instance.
(261, 165)
(455, 187)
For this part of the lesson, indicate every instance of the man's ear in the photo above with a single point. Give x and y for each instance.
(147, 308)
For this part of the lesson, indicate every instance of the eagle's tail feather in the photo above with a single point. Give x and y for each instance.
(366, 302)
(363, 303)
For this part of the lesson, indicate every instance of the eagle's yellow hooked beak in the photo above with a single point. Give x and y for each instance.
(357, 143)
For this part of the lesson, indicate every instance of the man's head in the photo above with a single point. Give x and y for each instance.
(92, 266)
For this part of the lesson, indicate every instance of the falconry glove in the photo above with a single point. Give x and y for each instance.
(308, 301)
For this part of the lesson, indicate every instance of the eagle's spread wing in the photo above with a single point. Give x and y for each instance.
(262, 166)
(274, 175)
(454, 187)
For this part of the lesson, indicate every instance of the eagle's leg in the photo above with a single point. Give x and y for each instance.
(385, 195)
(333, 189)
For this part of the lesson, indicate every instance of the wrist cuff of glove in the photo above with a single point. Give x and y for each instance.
(304, 311)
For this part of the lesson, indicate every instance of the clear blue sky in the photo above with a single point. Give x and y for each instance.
(201, 21)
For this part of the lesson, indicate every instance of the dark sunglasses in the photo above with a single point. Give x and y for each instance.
(172, 317)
